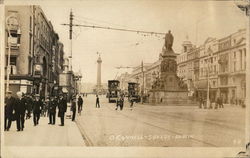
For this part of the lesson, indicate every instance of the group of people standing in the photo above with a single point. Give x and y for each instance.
(16, 108)
(217, 104)
(120, 102)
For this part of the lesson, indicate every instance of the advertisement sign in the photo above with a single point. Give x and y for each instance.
(64, 79)
(38, 70)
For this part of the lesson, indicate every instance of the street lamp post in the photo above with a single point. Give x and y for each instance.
(9, 50)
(142, 90)
(208, 80)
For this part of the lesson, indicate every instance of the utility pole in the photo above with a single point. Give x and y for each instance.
(142, 90)
(70, 38)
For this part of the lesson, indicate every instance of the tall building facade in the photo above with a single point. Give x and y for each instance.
(36, 54)
(19, 37)
(217, 66)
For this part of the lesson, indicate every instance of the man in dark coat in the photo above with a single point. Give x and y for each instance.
(29, 103)
(52, 110)
(97, 105)
(73, 108)
(8, 110)
(80, 102)
(62, 106)
(20, 108)
(36, 107)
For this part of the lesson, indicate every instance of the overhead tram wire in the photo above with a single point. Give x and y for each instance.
(99, 21)
(116, 29)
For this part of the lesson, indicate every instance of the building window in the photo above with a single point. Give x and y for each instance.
(214, 83)
(241, 62)
(234, 55)
(30, 23)
(13, 65)
(233, 80)
(30, 67)
(245, 59)
(185, 48)
(30, 43)
(14, 39)
(13, 61)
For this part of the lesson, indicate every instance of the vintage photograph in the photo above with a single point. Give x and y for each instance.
(127, 74)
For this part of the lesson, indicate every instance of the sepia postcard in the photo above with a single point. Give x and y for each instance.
(125, 78)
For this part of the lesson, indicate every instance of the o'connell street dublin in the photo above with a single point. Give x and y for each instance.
(127, 74)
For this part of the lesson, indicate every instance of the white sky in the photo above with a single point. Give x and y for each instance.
(213, 19)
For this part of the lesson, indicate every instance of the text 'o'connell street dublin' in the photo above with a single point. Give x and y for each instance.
(174, 76)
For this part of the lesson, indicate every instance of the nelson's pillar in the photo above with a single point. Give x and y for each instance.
(99, 71)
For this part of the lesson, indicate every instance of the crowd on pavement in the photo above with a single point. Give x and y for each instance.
(217, 103)
(24, 106)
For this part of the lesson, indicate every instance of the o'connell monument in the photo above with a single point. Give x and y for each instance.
(168, 87)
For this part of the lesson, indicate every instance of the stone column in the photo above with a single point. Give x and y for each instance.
(98, 84)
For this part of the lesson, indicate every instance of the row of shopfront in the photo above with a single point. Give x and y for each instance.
(230, 93)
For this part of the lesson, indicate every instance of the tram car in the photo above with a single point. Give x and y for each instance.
(113, 90)
(133, 91)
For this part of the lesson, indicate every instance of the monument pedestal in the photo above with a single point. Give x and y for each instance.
(170, 98)
(169, 89)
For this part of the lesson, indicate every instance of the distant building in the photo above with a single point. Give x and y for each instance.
(222, 62)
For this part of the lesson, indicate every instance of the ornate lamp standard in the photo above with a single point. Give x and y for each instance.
(8, 26)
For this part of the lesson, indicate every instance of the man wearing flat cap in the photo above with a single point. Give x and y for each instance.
(73, 108)
(8, 110)
(36, 107)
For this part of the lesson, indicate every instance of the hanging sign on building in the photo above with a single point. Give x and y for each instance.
(64, 79)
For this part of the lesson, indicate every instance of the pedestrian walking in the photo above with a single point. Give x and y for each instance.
(36, 107)
(221, 102)
(62, 106)
(20, 108)
(204, 103)
(217, 103)
(52, 110)
(200, 102)
(8, 110)
(73, 108)
(43, 111)
(131, 100)
(29, 103)
(97, 105)
(119, 103)
(80, 103)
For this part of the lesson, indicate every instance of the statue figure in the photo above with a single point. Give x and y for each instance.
(169, 39)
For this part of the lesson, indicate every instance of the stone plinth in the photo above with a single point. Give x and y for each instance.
(170, 98)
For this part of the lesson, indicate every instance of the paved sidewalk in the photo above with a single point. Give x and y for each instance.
(44, 134)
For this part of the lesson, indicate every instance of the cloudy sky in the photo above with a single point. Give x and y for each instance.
(195, 20)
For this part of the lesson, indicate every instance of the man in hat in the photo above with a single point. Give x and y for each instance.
(52, 110)
(79, 102)
(97, 104)
(62, 106)
(29, 103)
(20, 108)
(36, 107)
(8, 110)
(73, 108)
